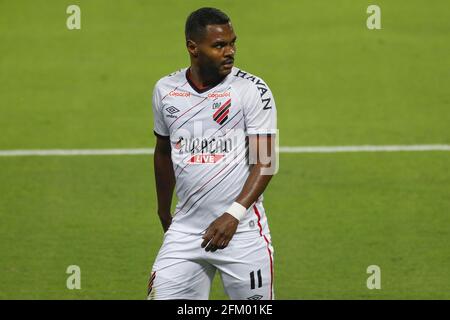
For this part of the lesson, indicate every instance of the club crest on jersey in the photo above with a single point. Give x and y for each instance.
(221, 114)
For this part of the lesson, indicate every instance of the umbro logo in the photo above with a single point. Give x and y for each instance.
(172, 110)
(255, 297)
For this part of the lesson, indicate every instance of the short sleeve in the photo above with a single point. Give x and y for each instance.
(159, 126)
(259, 110)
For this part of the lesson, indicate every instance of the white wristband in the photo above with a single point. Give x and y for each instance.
(237, 210)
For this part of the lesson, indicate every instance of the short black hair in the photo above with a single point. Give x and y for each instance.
(198, 20)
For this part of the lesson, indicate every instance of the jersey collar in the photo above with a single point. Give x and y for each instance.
(201, 90)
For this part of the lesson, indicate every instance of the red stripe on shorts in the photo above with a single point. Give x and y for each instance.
(268, 249)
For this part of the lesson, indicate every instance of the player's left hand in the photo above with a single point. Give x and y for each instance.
(220, 232)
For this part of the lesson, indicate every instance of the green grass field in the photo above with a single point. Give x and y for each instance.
(335, 82)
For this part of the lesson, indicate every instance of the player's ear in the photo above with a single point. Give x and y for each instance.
(192, 48)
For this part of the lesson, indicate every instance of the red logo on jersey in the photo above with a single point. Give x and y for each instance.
(205, 158)
(219, 95)
(221, 114)
(179, 94)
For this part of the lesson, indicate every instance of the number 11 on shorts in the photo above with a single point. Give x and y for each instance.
(252, 279)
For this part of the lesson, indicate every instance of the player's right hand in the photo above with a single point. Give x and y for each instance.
(220, 232)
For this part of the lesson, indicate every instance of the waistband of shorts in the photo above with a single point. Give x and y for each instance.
(248, 234)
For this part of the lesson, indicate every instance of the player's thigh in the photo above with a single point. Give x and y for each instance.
(181, 280)
(249, 275)
(178, 271)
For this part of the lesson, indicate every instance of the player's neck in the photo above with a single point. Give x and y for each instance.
(202, 80)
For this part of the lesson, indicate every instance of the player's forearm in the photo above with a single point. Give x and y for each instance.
(254, 186)
(165, 183)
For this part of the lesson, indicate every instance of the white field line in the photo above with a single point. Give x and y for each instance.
(366, 148)
(298, 149)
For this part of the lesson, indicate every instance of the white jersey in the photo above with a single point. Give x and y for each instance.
(207, 131)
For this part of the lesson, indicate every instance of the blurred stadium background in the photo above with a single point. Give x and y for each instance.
(335, 82)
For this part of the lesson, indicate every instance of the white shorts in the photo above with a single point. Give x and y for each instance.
(184, 270)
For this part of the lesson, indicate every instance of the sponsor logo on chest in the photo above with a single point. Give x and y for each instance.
(204, 151)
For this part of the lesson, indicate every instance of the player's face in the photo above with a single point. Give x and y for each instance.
(217, 48)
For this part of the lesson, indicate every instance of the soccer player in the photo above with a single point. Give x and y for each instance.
(215, 128)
